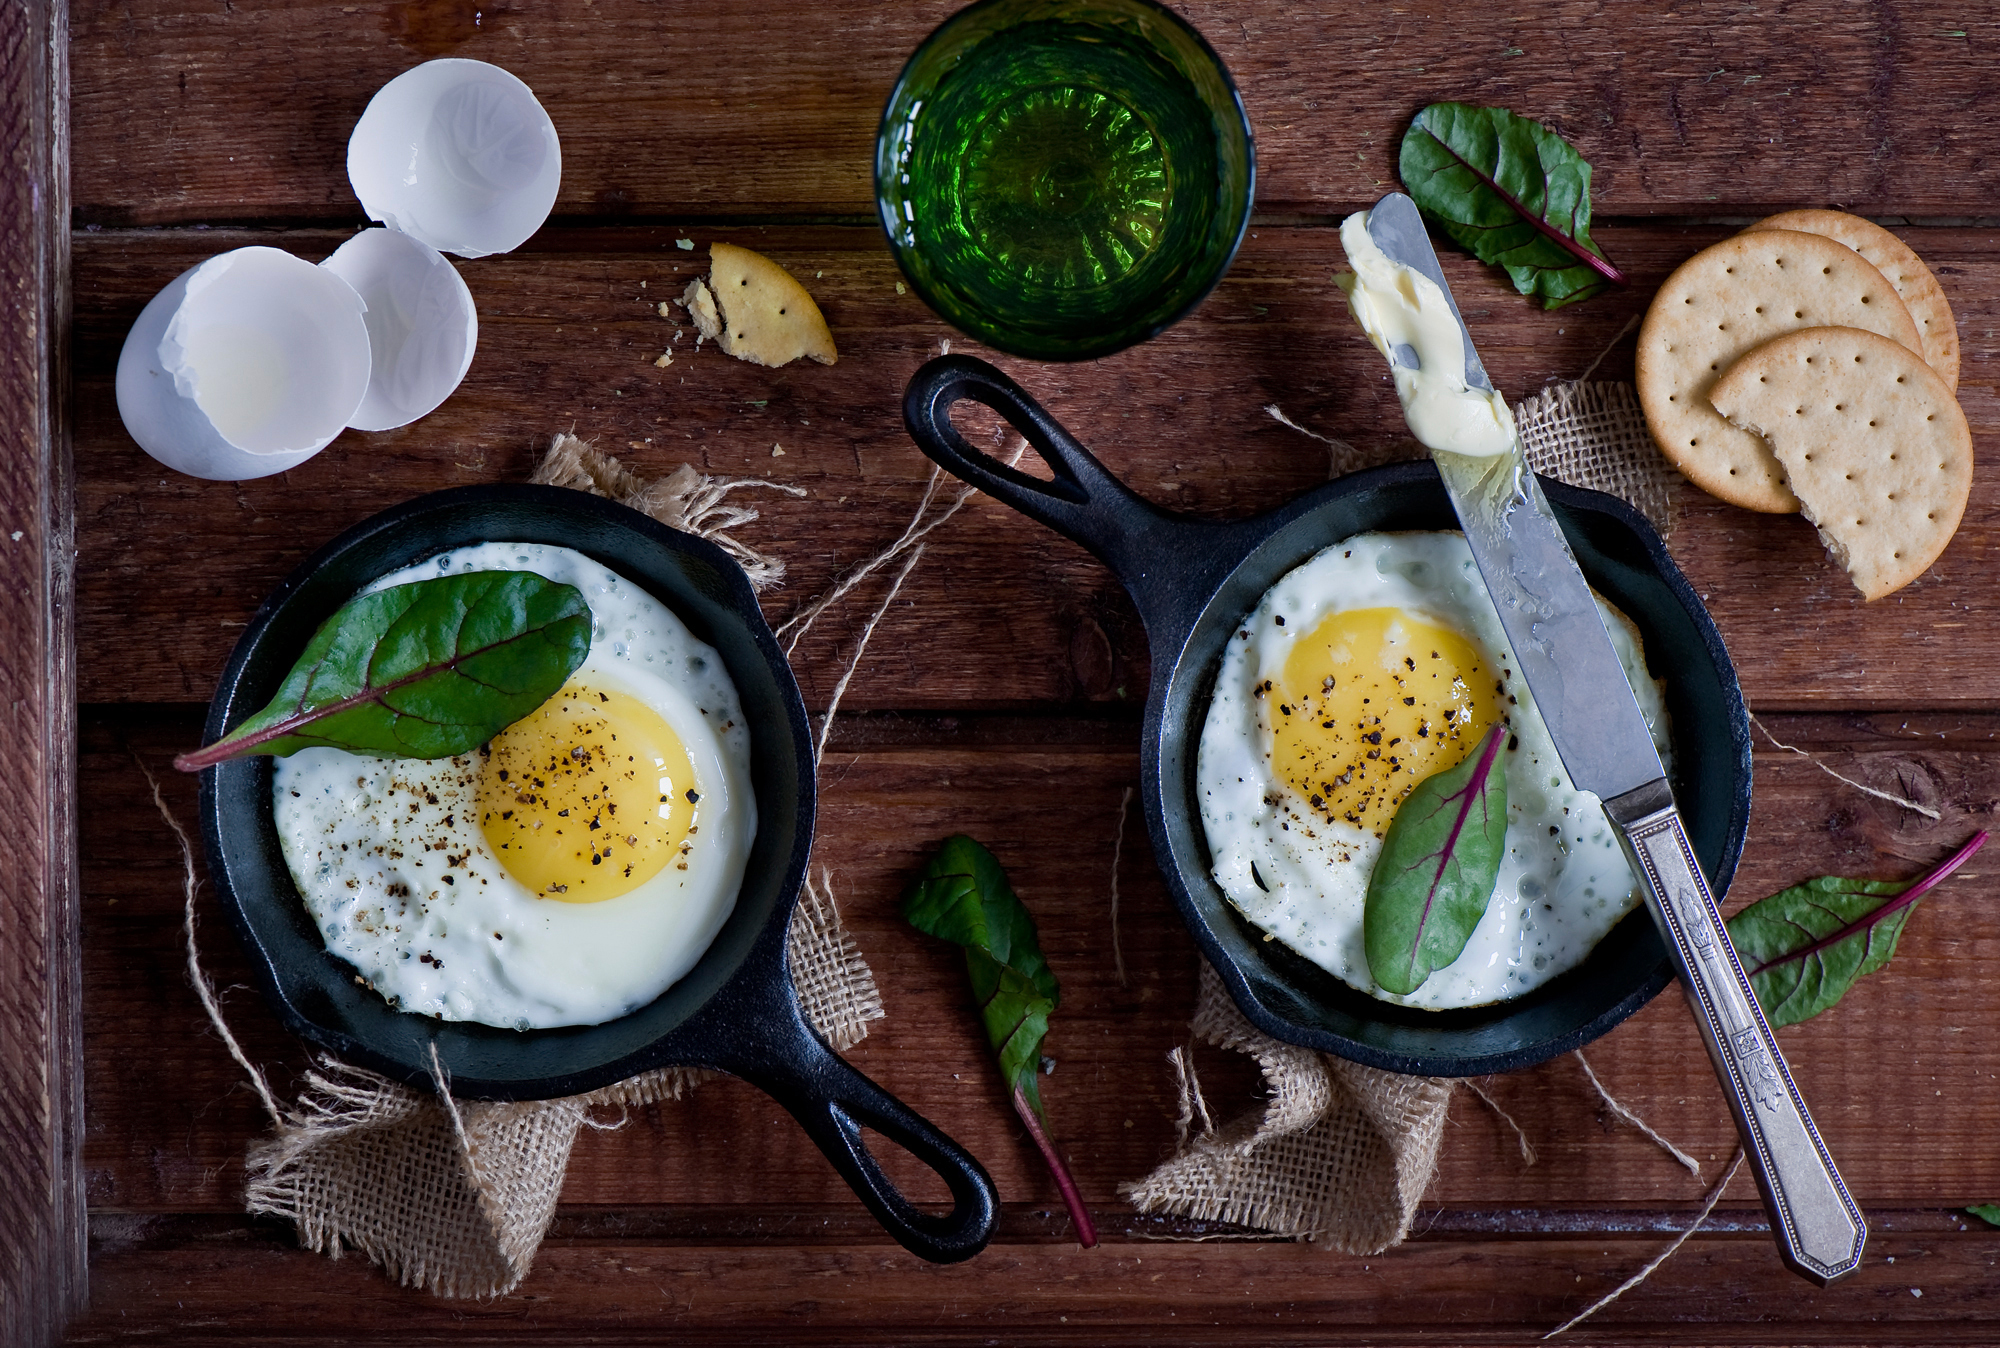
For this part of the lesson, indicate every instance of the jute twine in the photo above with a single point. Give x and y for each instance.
(454, 1197)
(1341, 1154)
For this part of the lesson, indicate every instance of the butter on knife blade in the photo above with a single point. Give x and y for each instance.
(1400, 307)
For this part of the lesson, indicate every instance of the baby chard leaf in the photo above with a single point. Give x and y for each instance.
(964, 898)
(424, 670)
(1512, 192)
(1439, 861)
(1804, 947)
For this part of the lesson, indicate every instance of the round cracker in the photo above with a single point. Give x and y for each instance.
(1918, 289)
(1722, 302)
(1871, 440)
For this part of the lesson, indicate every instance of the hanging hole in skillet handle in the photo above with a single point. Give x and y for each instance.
(834, 1102)
(1083, 502)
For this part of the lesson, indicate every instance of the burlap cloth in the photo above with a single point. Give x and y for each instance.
(1341, 1154)
(455, 1197)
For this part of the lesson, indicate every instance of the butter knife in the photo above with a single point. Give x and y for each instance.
(1562, 650)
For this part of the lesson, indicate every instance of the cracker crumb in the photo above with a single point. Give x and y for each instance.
(777, 451)
(899, 288)
(666, 359)
(685, 245)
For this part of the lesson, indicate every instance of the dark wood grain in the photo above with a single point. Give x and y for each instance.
(1000, 695)
(1724, 1289)
(1010, 614)
(42, 1231)
(218, 112)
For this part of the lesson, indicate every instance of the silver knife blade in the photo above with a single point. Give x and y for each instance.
(1545, 606)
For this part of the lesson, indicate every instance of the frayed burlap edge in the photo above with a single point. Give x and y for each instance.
(1340, 1155)
(685, 499)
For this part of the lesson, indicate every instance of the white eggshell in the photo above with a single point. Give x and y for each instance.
(244, 365)
(422, 325)
(459, 154)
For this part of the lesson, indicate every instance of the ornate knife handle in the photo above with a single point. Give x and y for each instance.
(1820, 1230)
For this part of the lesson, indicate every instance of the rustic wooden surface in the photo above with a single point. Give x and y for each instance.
(999, 695)
(42, 1220)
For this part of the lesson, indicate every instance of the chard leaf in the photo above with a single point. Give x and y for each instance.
(1986, 1212)
(1804, 947)
(424, 670)
(964, 898)
(1439, 861)
(1513, 193)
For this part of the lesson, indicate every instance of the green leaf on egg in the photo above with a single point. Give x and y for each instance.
(426, 670)
(1512, 192)
(1439, 862)
(1805, 946)
(964, 898)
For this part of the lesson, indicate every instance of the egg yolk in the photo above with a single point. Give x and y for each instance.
(588, 797)
(1370, 703)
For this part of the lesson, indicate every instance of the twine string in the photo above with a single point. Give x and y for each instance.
(202, 988)
(1714, 1196)
(1694, 1167)
(1527, 1148)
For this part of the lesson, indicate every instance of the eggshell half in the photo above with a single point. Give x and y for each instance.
(459, 154)
(422, 325)
(244, 365)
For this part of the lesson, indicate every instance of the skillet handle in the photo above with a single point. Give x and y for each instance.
(1084, 502)
(833, 1102)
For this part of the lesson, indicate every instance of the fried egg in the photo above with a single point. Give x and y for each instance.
(1375, 664)
(574, 867)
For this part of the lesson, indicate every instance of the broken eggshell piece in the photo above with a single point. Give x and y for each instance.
(244, 365)
(422, 325)
(459, 154)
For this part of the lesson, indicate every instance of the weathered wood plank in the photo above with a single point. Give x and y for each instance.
(1717, 1290)
(42, 1231)
(1900, 1076)
(203, 112)
(1010, 615)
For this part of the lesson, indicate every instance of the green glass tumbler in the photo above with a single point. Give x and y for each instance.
(1063, 178)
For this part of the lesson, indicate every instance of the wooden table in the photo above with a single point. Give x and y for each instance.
(1000, 694)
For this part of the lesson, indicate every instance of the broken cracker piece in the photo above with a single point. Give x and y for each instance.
(756, 311)
(1871, 441)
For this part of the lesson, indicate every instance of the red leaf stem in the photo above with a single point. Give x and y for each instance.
(1888, 910)
(1473, 793)
(1086, 1231)
(1569, 245)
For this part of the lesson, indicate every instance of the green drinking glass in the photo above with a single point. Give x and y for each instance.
(1063, 178)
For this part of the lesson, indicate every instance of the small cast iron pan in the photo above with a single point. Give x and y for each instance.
(734, 1011)
(1193, 580)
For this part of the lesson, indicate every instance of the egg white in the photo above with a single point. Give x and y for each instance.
(1564, 881)
(391, 861)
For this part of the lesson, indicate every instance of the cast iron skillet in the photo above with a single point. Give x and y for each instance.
(734, 1011)
(1193, 580)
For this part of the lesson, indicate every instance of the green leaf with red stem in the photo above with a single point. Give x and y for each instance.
(1439, 861)
(964, 898)
(425, 670)
(1510, 191)
(1805, 946)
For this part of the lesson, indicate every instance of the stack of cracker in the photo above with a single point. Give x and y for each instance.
(1810, 364)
